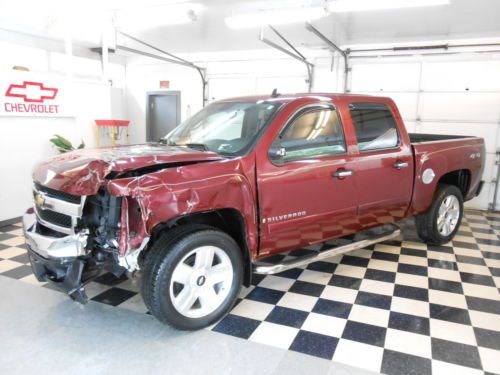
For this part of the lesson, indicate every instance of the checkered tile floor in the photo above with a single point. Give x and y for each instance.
(400, 307)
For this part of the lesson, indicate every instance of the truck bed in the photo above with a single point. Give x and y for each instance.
(421, 138)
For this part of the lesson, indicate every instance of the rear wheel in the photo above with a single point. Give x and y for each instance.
(194, 279)
(440, 224)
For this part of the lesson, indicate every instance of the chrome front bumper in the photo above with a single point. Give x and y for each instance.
(52, 247)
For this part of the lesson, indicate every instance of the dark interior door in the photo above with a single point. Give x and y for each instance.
(163, 115)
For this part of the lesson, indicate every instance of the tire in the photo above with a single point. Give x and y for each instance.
(440, 224)
(192, 277)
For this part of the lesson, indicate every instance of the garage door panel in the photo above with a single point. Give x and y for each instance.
(476, 107)
(483, 200)
(490, 168)
(486, 131)
(461, 75)
(285, 85)
(406, 102)
(220, 88)
(385, 77)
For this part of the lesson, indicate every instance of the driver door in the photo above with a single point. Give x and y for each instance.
(306, 187)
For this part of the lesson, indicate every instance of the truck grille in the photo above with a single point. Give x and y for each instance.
(56, 218)
(57, 210)
(58, 194)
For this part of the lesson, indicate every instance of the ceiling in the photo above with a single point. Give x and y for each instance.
(462, 19)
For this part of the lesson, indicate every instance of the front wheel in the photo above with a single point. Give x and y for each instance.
(440, 224)
(194, 280)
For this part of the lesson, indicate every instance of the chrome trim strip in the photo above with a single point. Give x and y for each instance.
(53, 247)
(303, 261)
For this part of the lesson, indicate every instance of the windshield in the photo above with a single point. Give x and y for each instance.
(226, 128)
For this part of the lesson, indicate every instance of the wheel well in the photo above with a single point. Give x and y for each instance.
(228, 220)
(460, 178)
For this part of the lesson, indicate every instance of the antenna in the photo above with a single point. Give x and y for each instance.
(275, 94)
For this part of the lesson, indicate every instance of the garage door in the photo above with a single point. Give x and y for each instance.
(443, 97)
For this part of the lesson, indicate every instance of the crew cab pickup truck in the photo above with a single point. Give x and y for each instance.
(198, 212)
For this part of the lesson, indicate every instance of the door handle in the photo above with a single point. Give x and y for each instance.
(400, 164)
(342, 173)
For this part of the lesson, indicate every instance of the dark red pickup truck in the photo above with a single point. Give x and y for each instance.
(198, 212)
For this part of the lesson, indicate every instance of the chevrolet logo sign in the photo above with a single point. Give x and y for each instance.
(39, 200)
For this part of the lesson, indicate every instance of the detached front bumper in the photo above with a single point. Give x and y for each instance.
(58, 260)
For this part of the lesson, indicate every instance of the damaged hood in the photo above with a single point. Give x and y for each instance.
(82, 172)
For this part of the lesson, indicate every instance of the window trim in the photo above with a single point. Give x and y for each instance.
(396, 147)
(312, 107)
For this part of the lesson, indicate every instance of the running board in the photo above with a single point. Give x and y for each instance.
(305, 260)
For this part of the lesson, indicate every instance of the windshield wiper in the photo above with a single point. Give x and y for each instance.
(197, 146)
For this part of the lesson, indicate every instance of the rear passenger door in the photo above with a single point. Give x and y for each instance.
(383, 165)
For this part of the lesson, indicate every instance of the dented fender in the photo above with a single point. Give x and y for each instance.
(155, 198)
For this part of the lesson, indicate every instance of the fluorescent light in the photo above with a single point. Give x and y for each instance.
(275, 17)
(339, 6)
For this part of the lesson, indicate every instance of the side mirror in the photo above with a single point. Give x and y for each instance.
(277, 153)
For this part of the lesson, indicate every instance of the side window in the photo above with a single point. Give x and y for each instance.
(374, 125)
(314, 133)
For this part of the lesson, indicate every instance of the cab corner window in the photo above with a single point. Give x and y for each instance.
(374, 125)
(314, 133)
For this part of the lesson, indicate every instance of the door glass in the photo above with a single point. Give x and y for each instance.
(314, 133)
(374, 125)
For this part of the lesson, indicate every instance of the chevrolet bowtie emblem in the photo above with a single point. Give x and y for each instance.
(39, 200)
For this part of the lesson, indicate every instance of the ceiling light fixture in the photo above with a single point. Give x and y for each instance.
(275, 17)
(341, 6)
(149, 17)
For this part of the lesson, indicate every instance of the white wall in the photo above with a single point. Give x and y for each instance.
(442, 95)
(24, 141)
(229, 74)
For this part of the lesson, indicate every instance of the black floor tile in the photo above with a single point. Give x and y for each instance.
(288, 317)
(326, 267)
(374, 300)
(365, 333)
(3, 247)
(345, 282)
(491, 255)
(18, 272)
(487, 338)
(473, 278)
(441, 248)
(114, 296)
(494, 271)
(257, 278)
(237, 326)
(412, 269)
(450, 314)
(301, 252)
(397, 363)
(315, 344)
(470, 260)
(483, 304)
(6, 236)
(465, 245)
(445, 285)
(488, 241)
(385, 256)
(332, 308)
(355, 261)
(453, 352)
(23, 258)
(110, 279)
(443, 264)
(414, 252)
(9, 228)
(265, 295)
(411, 292)
(293, 273)
(304, 287)
(379, 275)
(409, 323)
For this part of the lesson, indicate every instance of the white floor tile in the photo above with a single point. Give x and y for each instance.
(408, 342)
(274, 334)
